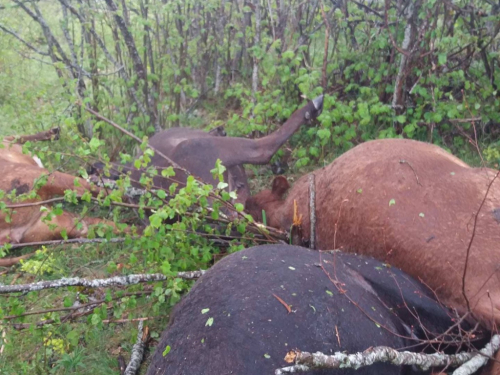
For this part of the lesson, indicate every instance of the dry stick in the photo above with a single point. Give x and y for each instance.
(472, 240)
(478, 361)
(402, 161)
(312, 210)
(128, 320)
(461, 120)
(137, 351)
(64, 242)
(78, 307)
(97, 283)
(115, 125)
(4, 340)
(305, 361)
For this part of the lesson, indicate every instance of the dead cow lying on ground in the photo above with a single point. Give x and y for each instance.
(197, 151)
(24, 223)
(410, 204)
(253, 306)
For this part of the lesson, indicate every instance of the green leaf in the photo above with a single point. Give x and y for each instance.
(401, 119)
(168, 172)
(293, 269)
(94, 144)
(222, 185)
(161, 194)
(329, 293)
(166, 351)
(204, 311)
(209, 322)
(442, 58)
(392, 202)
(267, 356)
(359, 191)
(421, 214)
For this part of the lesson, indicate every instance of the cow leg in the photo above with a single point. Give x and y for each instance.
(41, 231)
(58, 182)
(42, 136)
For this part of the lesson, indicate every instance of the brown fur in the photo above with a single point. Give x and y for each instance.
(197, 151)
(51, 134)
(25, 224)
(425, 232)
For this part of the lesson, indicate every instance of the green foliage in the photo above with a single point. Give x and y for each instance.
(42, 263)
(199, 60)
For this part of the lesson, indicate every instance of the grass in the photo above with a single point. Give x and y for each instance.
(86, 348)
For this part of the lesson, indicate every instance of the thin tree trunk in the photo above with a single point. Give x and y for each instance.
(256, 42)
(405, 64)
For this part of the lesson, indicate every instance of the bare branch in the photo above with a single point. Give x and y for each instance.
(64, 242)
(312, 210)
(137, 351)
(479, 360)
(305, 361)
(133, 136)
(27, 44)
(97, 283)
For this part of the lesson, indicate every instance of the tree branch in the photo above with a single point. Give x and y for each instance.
(27, 44)
(137, 351)
(97, 283)
(305, 361)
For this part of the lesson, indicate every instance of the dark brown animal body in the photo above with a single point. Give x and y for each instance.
(25, 224)
(197, 151)
(264, 301)
(167, 142)
(412, 205)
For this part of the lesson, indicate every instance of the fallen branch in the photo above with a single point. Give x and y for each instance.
(461, 120)
(305, 361)
(65, 242)
(81, 307)
(479, 360)
(312, 211)
(133, 136)
(137, 351)
(97, 283)
(108, 321)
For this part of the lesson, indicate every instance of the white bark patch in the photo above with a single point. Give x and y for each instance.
(137, 353)
(469, 362)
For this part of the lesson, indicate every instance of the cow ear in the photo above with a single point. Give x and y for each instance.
(280, 186)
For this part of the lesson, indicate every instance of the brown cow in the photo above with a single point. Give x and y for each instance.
(412, 205)
(24, 223)
(197, 151)
(12, 151)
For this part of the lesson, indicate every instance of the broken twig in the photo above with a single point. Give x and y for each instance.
(402, 161)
